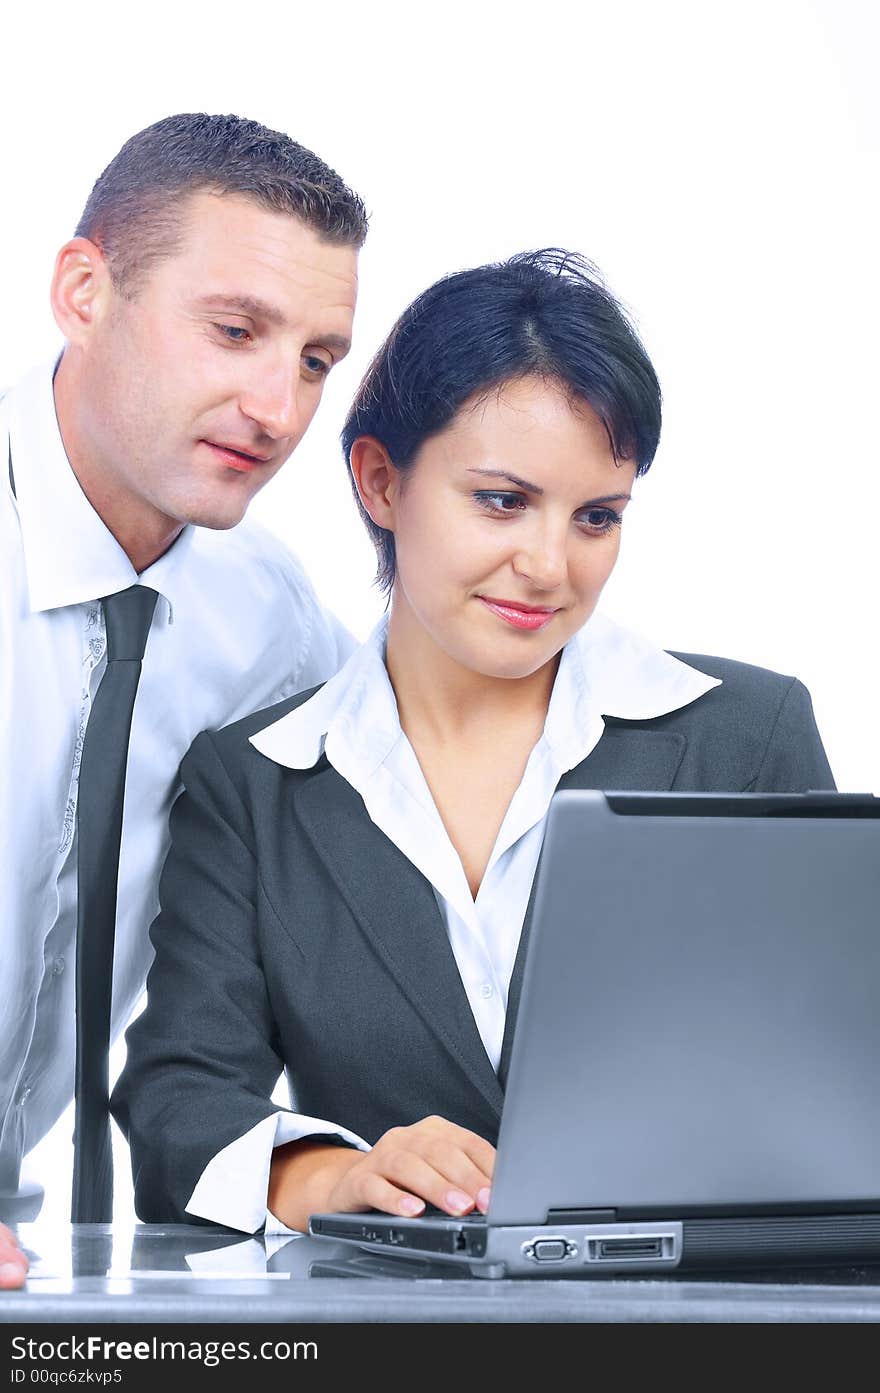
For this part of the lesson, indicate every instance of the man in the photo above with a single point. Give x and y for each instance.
(208, 291)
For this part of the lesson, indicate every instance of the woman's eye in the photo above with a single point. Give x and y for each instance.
(234, 332)
(500, 502)
(601, 519)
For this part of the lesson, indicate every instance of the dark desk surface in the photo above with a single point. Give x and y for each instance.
(149, 1273)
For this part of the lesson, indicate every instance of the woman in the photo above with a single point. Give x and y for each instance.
(350, 872)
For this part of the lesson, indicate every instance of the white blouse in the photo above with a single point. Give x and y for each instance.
(604, 670)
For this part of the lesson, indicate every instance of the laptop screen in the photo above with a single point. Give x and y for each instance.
(698, 1028)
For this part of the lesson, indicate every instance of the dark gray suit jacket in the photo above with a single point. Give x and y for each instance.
(294, 934)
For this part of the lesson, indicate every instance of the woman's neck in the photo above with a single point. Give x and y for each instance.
(440, 699)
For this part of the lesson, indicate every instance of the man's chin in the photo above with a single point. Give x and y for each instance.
(217, 517)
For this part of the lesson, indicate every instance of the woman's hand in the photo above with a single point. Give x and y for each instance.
(433, 1161)
(13, 1263)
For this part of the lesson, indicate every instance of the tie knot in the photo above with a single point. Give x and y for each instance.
(127, 618)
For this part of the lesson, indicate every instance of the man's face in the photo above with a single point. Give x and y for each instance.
(199, 388)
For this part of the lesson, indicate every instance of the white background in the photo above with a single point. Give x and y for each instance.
(718, 161)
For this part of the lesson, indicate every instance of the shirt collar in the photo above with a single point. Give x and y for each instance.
(357, 705)
(70, 555)
(605, 670)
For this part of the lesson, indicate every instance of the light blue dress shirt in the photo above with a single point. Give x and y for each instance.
(237, 626)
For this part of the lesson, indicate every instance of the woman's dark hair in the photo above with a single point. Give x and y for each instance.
(543, 313)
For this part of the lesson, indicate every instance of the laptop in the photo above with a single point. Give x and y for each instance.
(693, 1083)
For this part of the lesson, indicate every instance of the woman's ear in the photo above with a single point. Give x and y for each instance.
(376, 479)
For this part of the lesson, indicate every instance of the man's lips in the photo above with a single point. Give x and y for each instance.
(520, 616)
(235, 458)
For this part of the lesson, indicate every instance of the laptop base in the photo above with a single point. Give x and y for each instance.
(613, 1249)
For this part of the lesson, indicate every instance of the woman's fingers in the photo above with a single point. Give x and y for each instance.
(455, 1175)
(13, 1263)
(478, 1155)
(433, 1161)
(372, 1191)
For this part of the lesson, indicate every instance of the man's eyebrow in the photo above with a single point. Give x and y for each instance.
(536, 489)
(260, 309)
(333, 341)
(243, 304)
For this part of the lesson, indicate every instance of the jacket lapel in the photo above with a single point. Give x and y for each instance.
(627, 759)
(396, 908)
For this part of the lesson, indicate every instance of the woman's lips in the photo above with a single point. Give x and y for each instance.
(517, 615)
(235, 459)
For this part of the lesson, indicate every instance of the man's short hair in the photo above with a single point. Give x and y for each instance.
(136, 210)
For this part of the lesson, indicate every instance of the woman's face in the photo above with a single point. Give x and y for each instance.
(506, 528)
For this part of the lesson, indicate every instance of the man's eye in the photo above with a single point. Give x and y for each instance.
(234, 332)
(500, 502)
(316, 365)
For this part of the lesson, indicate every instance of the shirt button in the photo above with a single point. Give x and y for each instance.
(486, 990)
(58, 967)
(23, 1097)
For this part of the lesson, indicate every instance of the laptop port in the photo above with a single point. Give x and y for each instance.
(632, 1247)
(549, 1250)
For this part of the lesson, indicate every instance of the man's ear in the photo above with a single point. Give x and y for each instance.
(81, 289)
(377, 480)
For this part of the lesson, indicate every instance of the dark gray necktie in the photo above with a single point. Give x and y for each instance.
(127, 617)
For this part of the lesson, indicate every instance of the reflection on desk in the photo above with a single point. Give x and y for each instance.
(194, 1273)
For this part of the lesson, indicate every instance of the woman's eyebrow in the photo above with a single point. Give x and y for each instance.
(536, 489)
(511, 478)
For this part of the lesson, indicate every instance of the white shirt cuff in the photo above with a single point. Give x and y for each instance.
(232, 1188)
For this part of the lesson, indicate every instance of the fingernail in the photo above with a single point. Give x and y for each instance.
(456, 1200)
(483, 1198)
(410, 1205)
(9, 1270)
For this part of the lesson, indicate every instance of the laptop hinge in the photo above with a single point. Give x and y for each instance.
(581, 1216)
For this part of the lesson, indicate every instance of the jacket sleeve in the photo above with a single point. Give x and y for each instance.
(202, 1058)
(794, 760)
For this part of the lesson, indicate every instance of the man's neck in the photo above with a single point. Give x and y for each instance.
(144, 533)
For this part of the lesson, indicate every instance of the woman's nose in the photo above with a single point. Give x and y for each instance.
(544, 561)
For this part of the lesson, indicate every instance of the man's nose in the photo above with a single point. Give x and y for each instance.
(273, 404)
